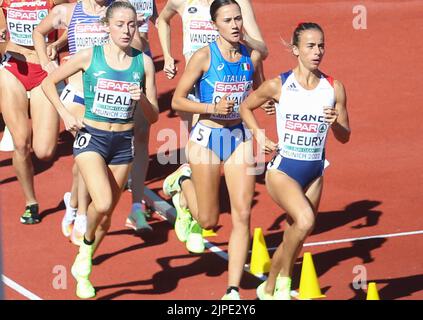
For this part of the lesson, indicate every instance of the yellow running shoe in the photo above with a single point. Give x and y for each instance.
(183, 219)
(282, 288)
(263, 295)
(81, 270)
(195, 241)
(171, 183)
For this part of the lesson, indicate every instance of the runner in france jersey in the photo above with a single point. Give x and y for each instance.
(309, 104)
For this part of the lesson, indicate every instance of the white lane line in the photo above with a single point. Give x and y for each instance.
(18, 288)
(381, 236)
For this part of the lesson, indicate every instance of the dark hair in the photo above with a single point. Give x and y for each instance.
(303, 26)
(117, 5)
(217, 4)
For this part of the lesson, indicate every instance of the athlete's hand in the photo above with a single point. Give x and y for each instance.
(50, 66)
(72, 123)
(135, 91)
(169, 68)
(225, 105)
(269, 146)
(269, 107)
(330, 114)
(52, 51)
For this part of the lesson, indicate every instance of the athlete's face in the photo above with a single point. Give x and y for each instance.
(310, 49)
(229, 22)
(122, 26)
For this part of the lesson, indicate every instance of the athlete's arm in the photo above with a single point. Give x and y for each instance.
(269, 90)
(148, 102)
(163, 25)
(155, 15)
(252, 35)
(56, 19)
(78, 62)
(197, 65)
(337, 117)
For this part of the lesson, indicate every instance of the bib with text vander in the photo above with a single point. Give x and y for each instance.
(198, 29)
(301, 125)
(22, 17)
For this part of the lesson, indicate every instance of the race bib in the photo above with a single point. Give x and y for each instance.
(88, 35)
(201, 135)
(201, 33)
(304, 137)
(237, 91)
(82, 140)
(112, 99)
(21, 23)
(144, 7)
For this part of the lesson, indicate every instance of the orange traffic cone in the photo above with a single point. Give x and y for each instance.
(309, 284)
(372, 293)
(260, 259)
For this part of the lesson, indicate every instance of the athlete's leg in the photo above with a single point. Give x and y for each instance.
(240, 180)
(205, 166)
(139, 172)
(14, 102)
(118, 175)
(45, 125)
(288, 194)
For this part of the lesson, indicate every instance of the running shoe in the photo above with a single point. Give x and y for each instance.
(282, 288)
(31, 216)
(183, 219)
(81, 270)
(137, 221)
(263, 295)
(79, 229)
(232, 295)
(69, 217)
(195, 242)
(171, 183)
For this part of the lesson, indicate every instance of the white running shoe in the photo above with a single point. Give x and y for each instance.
(69, 217)
(6, 143)
(79, 229)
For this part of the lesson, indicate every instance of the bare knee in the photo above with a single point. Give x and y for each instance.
(208, 222)
(104, 207)
(241, 218)
(305, 223)
(22, 147)
(44, 153)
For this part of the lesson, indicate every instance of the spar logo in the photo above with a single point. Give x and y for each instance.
(233, 87)
(201, 25)
(302, 126)
(22, 15)
(112, 85)
(89, 28)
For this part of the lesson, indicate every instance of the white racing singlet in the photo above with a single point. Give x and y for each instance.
(198, 29)
(300, 121)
